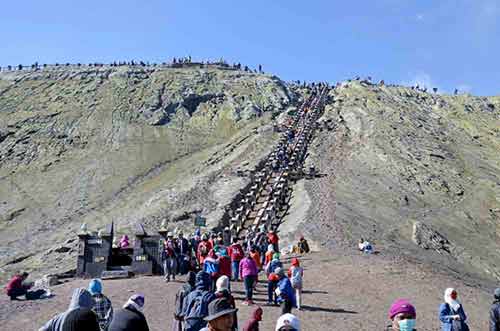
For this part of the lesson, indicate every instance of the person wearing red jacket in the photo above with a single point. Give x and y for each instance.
(236, 253)
(16, 287)
(224, 264)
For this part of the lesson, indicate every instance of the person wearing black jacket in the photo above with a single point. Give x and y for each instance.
(131, 317)
(495, 312)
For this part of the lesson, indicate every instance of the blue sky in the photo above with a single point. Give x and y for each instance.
(442, 43)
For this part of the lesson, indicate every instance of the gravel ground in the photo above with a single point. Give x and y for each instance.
(343, 290)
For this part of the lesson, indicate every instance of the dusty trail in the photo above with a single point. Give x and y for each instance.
(344, 291)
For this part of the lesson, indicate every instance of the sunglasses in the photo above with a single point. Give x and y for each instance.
(287, 328)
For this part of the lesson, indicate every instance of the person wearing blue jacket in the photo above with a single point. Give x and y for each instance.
(195, 306)
(285, 292)
(451, 312)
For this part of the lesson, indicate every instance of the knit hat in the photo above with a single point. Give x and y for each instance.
(402, 306)
(222, 283)
(95, 287)
(276, 256)
(288, 320)
(497, 293)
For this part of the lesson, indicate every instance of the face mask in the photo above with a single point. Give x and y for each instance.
(407, 325)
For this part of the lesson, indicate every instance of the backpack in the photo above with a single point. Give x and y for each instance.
(181, 294)
(198, 306)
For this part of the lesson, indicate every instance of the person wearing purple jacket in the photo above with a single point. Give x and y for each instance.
(248, 272)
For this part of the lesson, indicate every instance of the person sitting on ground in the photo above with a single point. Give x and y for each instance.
(303, 246)
(451, 312)
(253, 323)
(365, 246)
(17, 286)
(124, 242)
(248, 273)
(182, 293)
(220, 316)
(495, 311)
(284, 292)
(78, 317)
(296, 273)
(402, 315)
(196, 304)
(131, 316)
(288, 322)
(222, 291)
(101, 305)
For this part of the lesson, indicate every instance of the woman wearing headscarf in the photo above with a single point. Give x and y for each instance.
(131, 316)
(451, 312)
(78, 317)
(402, 315)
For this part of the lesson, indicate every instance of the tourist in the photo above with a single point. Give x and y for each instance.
(196, 304)
(124, 242)
(296, 273)
(131, 316)
(184, 254)
(78, 317)
(101, 305)
(288, 322)
(495, 311)
(284, 292)
(182, 293)
(303, 246)
(253, 323)
(451, 312)
(224, 265)
(269, 254)
(255, 255)
(203, 248)
(211, 267)
(222, 290)
(169, 257)
(402, 315)
(236, 254)
(17, 286)
(273, 239)
(220, 316)
(248, 273)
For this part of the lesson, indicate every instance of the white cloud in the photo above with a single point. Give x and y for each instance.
(420, 17)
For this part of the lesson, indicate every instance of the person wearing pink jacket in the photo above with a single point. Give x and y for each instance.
(248, 272)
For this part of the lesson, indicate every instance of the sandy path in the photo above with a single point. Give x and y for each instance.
(344, 291)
